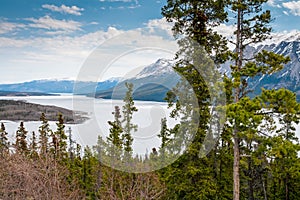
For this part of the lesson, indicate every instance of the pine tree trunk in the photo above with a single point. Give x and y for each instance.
(250, 181)
(236, 150)
(236, 166)
(287, 196)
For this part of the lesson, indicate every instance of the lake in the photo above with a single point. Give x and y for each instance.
(100, 111)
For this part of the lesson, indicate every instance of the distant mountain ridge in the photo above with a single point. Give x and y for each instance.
(54, 86)
(289, 76)
(156, 79)
(151, 84)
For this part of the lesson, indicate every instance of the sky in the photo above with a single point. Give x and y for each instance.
(44, 39)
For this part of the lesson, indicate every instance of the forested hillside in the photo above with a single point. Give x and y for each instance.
(24, 111)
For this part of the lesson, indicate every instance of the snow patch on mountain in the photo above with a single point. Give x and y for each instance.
(277, 38)
(160, 67)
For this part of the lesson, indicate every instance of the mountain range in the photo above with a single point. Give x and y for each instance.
(156, 79)
(54, 86)
(289, 76)
(151, 84)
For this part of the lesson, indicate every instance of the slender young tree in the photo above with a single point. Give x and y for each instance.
(164, 135)
(33, 146)
(71, 150)
(44, 135)
(4, 143)
(116, 129)
(114, 139)
(59, 139)
(128, 127)
(21, 143)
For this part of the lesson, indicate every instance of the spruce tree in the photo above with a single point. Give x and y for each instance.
(72, 142)
(44, 135)
(196, 20)
(114, 139)
(128, 127)
(21, 143)
(165, 137)
(191, 177)
(33, 146)
(4, 143)
(59, 139)
(283, 147)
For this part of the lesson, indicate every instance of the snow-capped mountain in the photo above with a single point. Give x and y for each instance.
(287, 44)
(161, 74)
(289, 76)
(156, 79)
(151, 84)
(277, 38)
(160, 68)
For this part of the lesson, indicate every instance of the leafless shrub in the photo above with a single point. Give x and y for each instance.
(24, 178)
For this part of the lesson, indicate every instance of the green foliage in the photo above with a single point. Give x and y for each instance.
(4, 143)
(59, 140)
(116, 129)
(128, 126)
(33, 146)
(283, 147)
(45, 133)
(21, 143)
(114, 139)
(196, 20)
(248, 133)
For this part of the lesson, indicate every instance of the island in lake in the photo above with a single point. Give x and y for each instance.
(23, 111)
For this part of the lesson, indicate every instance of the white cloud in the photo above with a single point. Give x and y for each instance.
(293, 6)
(286, 13)
(63, 55)
(160, 24)
(271, 3)
(225, 30)
(274, 3)
(49, 23)
(6, 27)
(94, 23)
(48, 57)
(73, 10)
(124, 7)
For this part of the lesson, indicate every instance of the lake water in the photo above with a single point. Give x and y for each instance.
(100, 111)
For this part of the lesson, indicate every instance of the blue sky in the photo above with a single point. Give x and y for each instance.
(91, 15)
(42, 39)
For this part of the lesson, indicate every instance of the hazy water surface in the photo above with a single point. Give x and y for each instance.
(100, 111)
